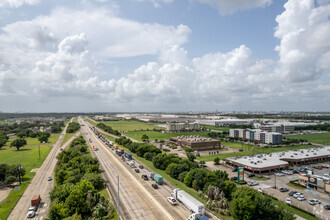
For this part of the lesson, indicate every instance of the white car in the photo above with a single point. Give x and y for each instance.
(314, 201)
(326, 175)
(288, 201)
(301, 198)
(31, 214)
(171, 200)
(297, 195)
(33, 208)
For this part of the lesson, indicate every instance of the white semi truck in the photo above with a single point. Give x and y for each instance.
(190, 202)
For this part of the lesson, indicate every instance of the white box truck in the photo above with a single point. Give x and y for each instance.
(190, 202)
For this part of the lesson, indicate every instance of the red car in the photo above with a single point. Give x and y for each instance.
(325, 165)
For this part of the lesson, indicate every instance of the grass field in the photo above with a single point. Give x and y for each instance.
(215, 128)
(249, 150)
(159, 135)
(131, 125)
(67, 136)
(28, 158)
(320, 138)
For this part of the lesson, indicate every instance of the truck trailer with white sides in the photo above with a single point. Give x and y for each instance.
(190, 202)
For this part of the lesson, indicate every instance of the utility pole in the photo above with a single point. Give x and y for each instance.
(275, 182)
(39, 152)
(118, 200)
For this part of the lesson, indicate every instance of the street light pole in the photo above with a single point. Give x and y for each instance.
(39, 152)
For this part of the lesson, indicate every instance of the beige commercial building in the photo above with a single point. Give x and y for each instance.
(181, 127)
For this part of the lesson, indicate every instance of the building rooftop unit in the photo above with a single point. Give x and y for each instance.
(194, 139)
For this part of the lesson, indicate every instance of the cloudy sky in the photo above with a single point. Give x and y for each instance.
(164, 55)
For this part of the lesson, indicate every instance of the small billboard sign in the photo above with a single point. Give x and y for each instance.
(240, 174)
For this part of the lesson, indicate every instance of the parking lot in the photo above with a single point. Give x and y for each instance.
(267, 186)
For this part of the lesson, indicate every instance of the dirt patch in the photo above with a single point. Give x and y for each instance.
(4, 192)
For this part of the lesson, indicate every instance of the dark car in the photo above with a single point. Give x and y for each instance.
(234, 178)
(166, 150)
(251, 175)
(141, 166)
(327, 207)
(318, 167)
(137, 170)
(234, 170)
(155, 186)
(145, 177)
(284, 189)
(292, 193)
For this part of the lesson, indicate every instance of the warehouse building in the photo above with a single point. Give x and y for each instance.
(280, 160)
(196, 142)
(284, 129)
(181, 127)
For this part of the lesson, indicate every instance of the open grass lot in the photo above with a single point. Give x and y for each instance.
(159, 135)
(131, 125)
(28, 158)
(215, 128)
(249, 150)
(320, 138)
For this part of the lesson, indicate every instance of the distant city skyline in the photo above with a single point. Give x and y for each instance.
(164, 55)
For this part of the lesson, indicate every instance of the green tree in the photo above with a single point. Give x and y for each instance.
(10, 179)
(18, 143)
(57, 211)
(43, 138)
(144, 137)
(96, 180)
(216, 161)
(191, 156)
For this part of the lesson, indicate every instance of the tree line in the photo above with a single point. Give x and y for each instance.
(22, 127)
(223, 195)
(320, 127)
(73, 127)
(108, 129)
(11, 173)
(77, 186)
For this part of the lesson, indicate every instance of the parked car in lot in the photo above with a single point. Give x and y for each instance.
(327, 207)
(250, 175)
(314, 202)
(288, 201)
(279, 174)
(284, 190)
(141, 166)
(326, 175)
(318, 167)
(252, 183)
(155, 186)
(137, 170)
(297, 195)
(234, 170)
(301, 198)
(234, 178)
(171, 200)
(325, 165)
(292, 193)
(145, 177)
(31, 214)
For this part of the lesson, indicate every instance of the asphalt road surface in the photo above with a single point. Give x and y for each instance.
(40, 185)
(138, 200)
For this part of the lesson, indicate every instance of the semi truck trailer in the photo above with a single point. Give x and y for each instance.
(190, 202)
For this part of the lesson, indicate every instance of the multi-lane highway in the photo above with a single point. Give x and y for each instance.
(138, 200)
(40, 185)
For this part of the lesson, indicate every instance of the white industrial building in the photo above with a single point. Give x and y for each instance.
(181, 127)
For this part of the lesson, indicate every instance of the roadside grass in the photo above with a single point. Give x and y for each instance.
(159, 135)
(27, 156)
(3, 122)
(319, 138)
(250, 150)
(294, 210)
(67, 136)
(215, 128)
(131, 125)
(260, 178)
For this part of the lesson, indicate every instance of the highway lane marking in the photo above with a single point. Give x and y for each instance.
(133, 177)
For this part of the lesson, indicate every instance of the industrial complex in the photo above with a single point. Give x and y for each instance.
(181, 127)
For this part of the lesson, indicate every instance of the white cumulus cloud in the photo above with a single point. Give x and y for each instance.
(17, 3)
